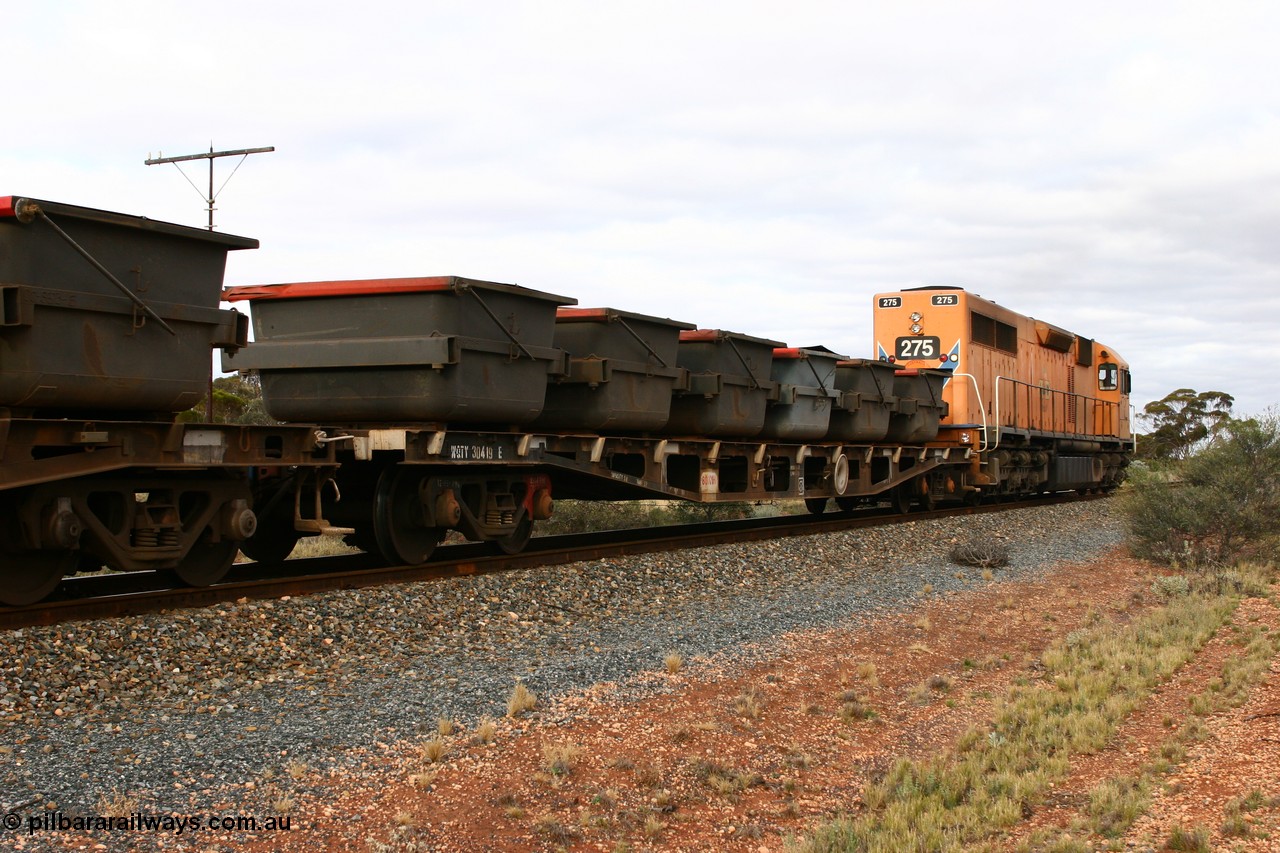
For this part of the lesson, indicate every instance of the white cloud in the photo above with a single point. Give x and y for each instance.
(761, 167)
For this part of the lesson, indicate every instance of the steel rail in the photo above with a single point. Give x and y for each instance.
(135, 593)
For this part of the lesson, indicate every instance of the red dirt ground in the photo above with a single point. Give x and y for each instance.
(740, 760)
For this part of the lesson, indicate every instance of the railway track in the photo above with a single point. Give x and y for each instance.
(133, 593)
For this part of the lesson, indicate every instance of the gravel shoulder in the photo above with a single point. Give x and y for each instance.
(275, 709)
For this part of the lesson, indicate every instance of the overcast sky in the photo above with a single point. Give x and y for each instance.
(1113, 168)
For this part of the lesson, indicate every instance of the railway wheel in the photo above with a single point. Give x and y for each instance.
(272, 543)
(207, 562)
(29, 577)
(847, 504)
(397, 519)
(900, 499)
(515, 542)
(817, 506)
(275, 537)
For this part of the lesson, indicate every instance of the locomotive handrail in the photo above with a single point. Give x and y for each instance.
(977, 392)
(30, 209)
(1086, 425)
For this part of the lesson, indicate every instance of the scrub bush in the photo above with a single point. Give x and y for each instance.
(1216, 508)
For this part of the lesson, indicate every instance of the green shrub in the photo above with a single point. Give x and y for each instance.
(1217, 507)
(1171, 586)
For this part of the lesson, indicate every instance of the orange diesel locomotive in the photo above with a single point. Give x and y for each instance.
(1048, 410)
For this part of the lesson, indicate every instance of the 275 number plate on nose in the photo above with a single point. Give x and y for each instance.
(917, 347)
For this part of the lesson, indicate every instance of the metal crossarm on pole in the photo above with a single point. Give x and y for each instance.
(242, 153)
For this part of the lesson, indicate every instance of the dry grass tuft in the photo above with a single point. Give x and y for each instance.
(559, 832)
(522, 699)
(724, 780)
(749, 703)
(433, 750)
(422, 780)
(605, 798)
(648, 775)
(797, 758)
(284, 805)
(559, 759)
(1188, 840)
(486, 731)
(445, 726)
(867, 672)
(117, 804)
(852, 708)
(673, 662)
(296, 769)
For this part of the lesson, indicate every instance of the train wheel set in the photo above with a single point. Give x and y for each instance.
(413, 407)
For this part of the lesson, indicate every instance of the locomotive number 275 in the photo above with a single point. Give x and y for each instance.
(917, 348)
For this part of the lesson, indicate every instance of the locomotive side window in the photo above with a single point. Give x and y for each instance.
(983, 329)
(990, 332)
(1006, 338)
(1126, 382)
(1084, 351)
(1108, 376)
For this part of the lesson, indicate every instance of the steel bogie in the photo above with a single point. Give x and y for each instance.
(136, 495)
(402, 510)
(131, 520)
